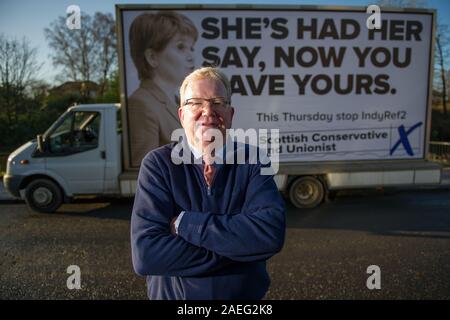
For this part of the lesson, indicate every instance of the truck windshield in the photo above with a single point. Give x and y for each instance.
(56, 124)
(76, 131)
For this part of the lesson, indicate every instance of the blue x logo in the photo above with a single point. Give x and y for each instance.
(404, 138)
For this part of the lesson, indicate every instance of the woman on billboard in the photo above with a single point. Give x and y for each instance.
(161, 46)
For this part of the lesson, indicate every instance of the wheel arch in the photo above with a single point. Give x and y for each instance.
(33, 177)
(321, 177)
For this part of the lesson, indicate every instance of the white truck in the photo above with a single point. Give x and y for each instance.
(352, 104)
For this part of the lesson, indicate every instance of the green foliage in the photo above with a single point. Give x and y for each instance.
(112, 90)
(33, 114)
(36, 116)
(440, 127)
(28, 106)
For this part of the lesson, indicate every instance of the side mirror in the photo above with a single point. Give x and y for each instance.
(40, 143)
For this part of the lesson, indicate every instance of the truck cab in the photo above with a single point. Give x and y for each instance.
(79, 154)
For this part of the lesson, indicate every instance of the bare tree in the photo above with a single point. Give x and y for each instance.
(442, 54)
(442, 50)
(18, 66)
(88, 53)
(104, 32)
(72, 49)
(448, 84)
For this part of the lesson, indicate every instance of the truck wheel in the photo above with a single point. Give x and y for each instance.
(43, 195)
(306, 192)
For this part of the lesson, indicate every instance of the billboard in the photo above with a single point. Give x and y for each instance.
(336, 90)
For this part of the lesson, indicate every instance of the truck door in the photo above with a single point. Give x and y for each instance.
(76, 152)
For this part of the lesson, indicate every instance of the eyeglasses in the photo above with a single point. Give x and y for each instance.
(217, 103)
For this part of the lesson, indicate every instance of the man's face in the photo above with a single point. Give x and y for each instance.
(197, 122)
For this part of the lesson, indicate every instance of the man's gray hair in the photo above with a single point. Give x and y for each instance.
(207, 73)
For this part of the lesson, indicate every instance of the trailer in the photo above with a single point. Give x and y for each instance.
(351, 104)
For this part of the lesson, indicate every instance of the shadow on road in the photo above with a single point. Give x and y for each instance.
(102, 208)
(412, 213)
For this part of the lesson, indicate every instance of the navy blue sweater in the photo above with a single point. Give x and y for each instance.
(224, 238)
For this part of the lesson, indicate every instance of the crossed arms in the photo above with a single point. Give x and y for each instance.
(206, 242)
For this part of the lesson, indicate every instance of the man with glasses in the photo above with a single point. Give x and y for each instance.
(204, 229)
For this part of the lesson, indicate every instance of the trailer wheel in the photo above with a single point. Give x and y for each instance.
(306, 192)
(43, 195)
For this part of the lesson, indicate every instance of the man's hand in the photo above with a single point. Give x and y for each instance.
(172, 226)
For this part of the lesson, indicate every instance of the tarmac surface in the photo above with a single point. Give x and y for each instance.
(326, 254)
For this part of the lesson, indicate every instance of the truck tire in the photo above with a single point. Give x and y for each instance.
(43, 195)
(306, 192)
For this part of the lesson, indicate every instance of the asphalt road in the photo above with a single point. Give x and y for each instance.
(326, 254)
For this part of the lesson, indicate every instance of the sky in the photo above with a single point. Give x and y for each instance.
(28, 18)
